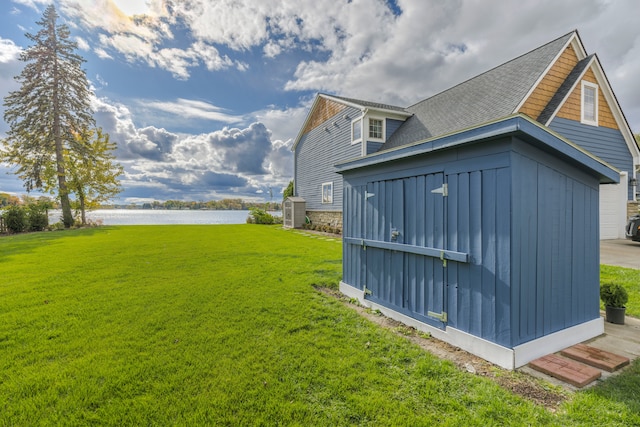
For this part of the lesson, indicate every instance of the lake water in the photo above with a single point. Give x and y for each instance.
(158, 217)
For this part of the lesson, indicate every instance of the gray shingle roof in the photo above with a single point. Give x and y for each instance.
(369, 104)
(489, 96)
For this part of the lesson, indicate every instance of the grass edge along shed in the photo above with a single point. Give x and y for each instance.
(486, 238)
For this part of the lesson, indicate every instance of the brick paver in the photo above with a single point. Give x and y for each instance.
(566, 370)
(595, 357)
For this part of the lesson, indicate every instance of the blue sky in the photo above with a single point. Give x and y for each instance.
(205, 98)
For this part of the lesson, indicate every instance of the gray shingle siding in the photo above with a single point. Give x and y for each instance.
(606, 143)
(315, 156)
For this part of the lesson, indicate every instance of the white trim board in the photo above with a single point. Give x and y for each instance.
(502, 356)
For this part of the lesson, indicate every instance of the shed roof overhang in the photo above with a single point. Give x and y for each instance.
(519, 125)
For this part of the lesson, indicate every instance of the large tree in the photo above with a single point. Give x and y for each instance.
(49, 110)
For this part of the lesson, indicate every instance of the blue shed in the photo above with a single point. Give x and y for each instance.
(486, 238)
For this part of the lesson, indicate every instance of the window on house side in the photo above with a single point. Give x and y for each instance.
(589, 103)
(356, 130)
(375, 128)
(327, 193)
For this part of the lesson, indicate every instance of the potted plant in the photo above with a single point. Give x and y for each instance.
(614, 296)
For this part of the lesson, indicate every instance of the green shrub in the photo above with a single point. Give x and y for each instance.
(260, 216)
(38, 217)
(613, 295)
(15, 219)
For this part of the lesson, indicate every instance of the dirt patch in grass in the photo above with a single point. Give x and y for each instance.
(534, 389)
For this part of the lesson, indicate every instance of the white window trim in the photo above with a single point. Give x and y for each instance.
(582, 109)
(330, 201)
(384, 129)
(356, 141)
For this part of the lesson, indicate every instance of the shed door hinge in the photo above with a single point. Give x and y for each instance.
(444, 190)
(367, 291)
(440, 316)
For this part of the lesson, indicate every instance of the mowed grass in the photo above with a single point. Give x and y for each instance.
(627, 277)
(221, 325)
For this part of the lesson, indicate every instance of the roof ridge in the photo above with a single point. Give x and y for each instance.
(498, 66)
(365, 102)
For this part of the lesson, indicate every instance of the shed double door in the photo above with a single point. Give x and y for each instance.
(405, 245)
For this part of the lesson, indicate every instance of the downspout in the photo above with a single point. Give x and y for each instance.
(365, 111)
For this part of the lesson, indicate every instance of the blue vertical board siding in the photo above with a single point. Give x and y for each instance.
(475, 246)
(452, 281)
(503, 257)
(554, 247)
(606, 143)
(315, 156)
(526, 220)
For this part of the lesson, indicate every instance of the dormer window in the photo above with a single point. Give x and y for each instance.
(589, 114)
(375, 128)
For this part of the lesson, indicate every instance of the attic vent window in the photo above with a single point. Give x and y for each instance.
(589, 103)
(375, 128)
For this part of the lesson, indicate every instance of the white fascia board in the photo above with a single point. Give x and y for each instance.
(574, 41)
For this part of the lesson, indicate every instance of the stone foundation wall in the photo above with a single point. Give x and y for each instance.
(632, 209)
(332, 218)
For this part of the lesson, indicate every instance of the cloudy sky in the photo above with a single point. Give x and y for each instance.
(205, 97)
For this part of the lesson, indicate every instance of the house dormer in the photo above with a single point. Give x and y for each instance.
(373, 127)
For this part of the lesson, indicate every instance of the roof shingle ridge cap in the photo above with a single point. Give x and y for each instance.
(357, 100)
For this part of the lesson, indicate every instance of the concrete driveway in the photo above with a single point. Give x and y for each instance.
(623, 253)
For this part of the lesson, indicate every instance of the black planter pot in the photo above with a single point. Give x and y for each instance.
(615, 315)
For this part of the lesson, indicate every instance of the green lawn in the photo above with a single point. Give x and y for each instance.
(220, 325)
(630, 279)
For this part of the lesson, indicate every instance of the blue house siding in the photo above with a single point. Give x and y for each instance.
(315, 156)
(392, 125)
(606, 143)
(372, 146)
(515, 230)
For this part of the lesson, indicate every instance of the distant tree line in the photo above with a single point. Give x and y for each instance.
(218, 205)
